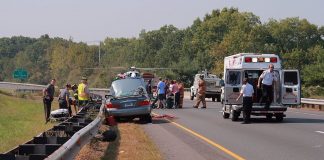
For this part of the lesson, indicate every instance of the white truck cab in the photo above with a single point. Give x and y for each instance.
(213, 87)
(286, 89)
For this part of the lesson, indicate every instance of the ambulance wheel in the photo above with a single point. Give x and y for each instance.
(269, 116)
(226, 115)
(218, 98)
(235, 115)
(213, 99)
(279, 117)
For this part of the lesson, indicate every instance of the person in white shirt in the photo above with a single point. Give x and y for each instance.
(267, 78)
(247, 93)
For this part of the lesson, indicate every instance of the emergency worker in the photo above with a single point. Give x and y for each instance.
(64, 98)
(48, 97)
(267, 78)
(181, 91)
(247, 93)
(201, 92)
(83, 93)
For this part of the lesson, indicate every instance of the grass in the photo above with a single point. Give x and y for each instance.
(21, 119)
(131, 144)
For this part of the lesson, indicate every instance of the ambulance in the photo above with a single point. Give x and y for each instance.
(286, 90)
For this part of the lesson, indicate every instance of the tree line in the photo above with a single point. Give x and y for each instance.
(203, 45)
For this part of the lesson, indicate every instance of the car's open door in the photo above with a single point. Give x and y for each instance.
(233, 83)
(290, 87)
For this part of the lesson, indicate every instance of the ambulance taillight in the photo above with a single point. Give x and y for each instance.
(248, 59)
(273, 60)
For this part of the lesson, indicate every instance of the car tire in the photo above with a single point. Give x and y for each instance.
(146, 119)
(213, 99)
(149, 119)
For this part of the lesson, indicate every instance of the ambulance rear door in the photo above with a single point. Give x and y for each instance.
(290, 87)
(233, 83)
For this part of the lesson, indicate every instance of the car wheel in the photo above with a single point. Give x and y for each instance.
(146, 119)
(149, 119)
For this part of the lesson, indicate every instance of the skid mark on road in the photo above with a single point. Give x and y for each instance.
(234, 155)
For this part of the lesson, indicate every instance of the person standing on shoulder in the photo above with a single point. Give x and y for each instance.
(247, 93)
(48, 97)
(149, 89)
(201, 92)
(64, 99)
(83, 93)
(267, 77)
(75, 95)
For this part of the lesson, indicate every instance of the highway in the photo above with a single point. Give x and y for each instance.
(208, 136)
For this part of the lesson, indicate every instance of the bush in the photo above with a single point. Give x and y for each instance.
(313, 92)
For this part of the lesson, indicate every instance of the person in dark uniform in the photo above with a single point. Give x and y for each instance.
(267, 78)
(48, 97)
(75, 95)
(247, 92)
(149, 89)
(64, 99)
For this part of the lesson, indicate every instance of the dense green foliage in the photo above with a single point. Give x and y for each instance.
(202, 45)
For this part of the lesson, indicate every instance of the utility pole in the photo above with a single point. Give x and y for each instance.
(99, 53)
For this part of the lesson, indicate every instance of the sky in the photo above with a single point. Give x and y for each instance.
(94, 20)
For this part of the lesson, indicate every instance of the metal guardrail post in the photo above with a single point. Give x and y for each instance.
(72, 147)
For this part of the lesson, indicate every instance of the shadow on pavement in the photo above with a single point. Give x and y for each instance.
(285, 120)
(302, 120)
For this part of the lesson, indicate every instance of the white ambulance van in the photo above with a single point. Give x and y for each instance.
(286, 89)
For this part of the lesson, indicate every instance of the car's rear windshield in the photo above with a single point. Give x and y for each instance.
(128, 87)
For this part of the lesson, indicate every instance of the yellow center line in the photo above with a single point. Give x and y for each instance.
(234, 155)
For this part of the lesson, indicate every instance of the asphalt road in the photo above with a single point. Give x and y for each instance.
(299, 137)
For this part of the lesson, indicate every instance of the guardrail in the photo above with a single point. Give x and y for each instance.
(26, 87)
(64, 140)
(312, 103)
(72, 147)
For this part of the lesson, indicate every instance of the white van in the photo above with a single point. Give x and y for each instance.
(287, 90)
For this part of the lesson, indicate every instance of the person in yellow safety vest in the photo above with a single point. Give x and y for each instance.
(83, 92)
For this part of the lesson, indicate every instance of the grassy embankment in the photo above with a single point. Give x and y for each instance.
(21, 119)
(131, 143)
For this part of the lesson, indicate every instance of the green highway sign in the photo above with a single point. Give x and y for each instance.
(20, 74)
